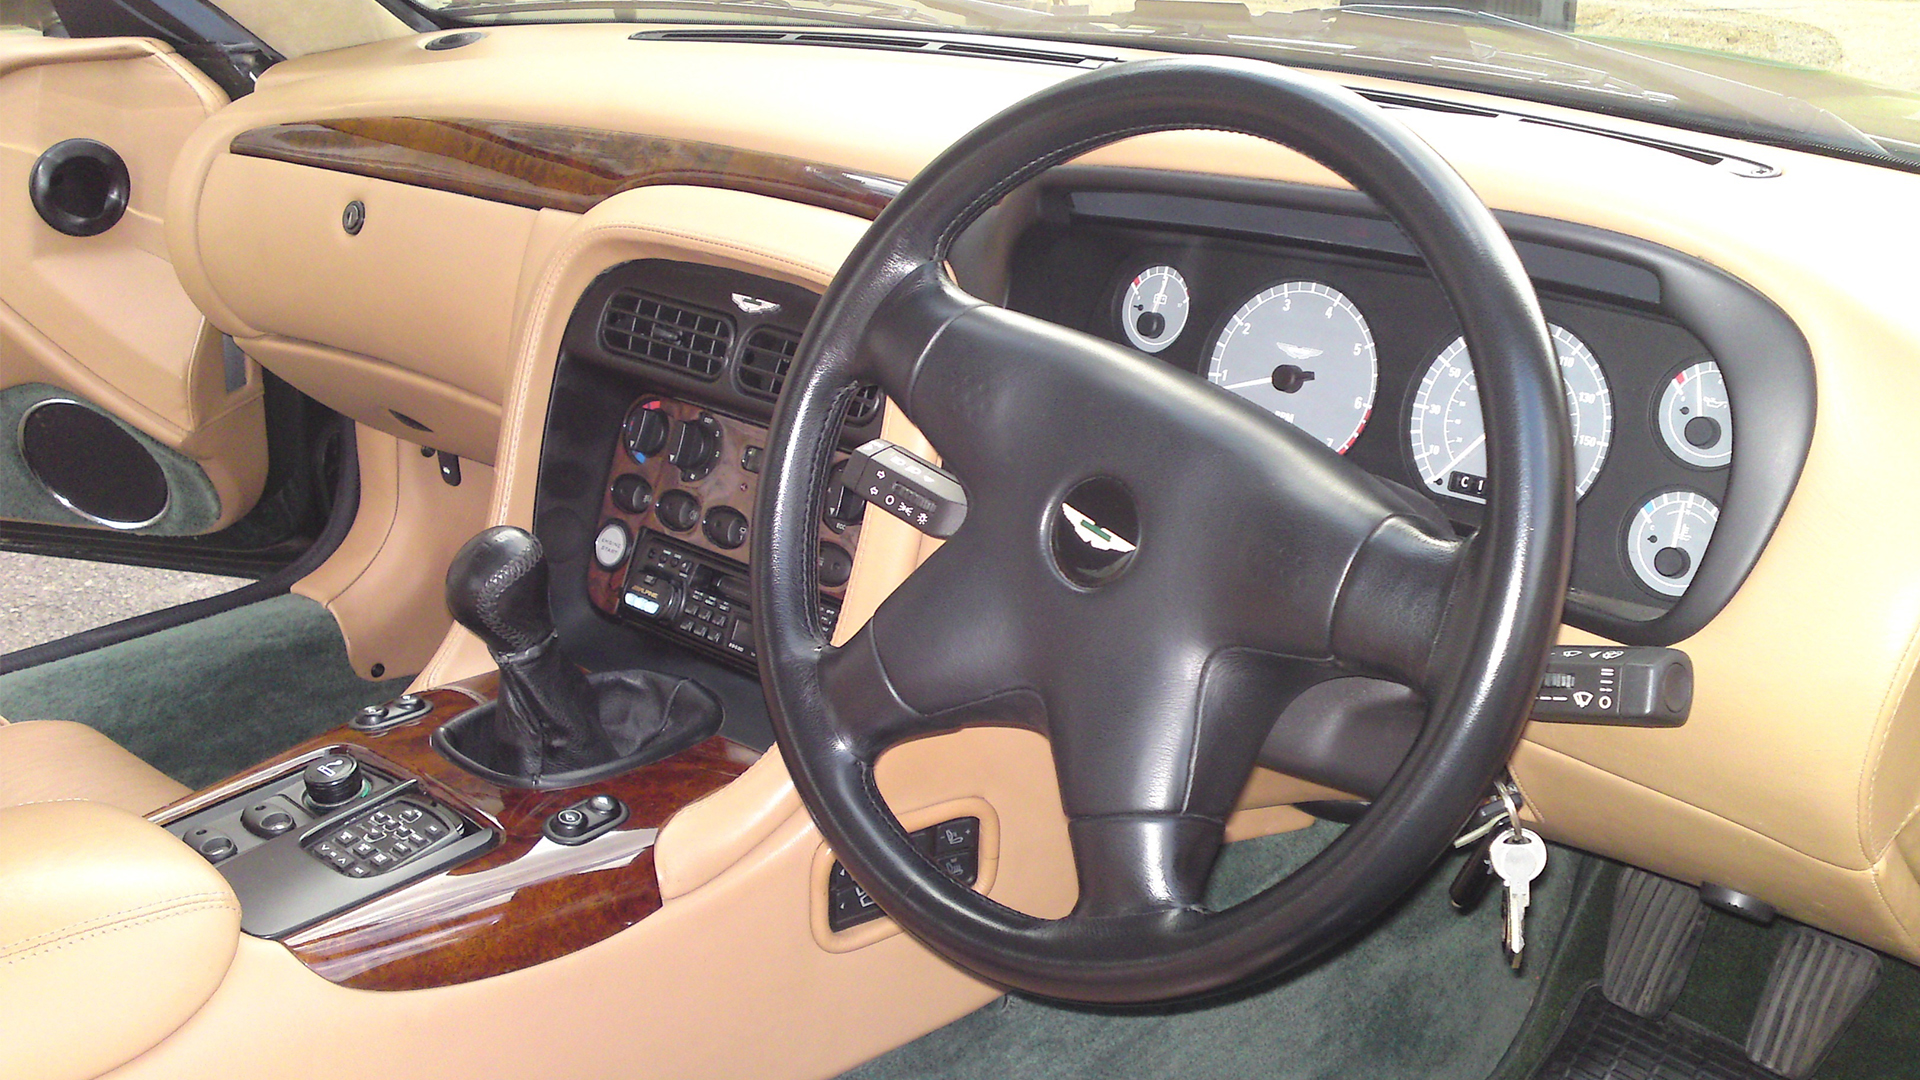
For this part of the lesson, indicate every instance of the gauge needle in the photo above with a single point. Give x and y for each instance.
(1461, 456)
(1249, 382)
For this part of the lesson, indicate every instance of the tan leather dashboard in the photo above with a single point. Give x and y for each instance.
(1796, 778)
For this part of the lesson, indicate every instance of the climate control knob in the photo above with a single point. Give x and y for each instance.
(726, 527)
(646, 430)
(696, 447)
(678, 510)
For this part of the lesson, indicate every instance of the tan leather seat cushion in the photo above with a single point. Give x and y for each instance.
(44, 760)
(112, 934)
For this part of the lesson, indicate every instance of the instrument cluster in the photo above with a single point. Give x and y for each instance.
(1365, 355)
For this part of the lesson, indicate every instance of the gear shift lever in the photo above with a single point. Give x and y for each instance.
(553, 726)
(547, 719)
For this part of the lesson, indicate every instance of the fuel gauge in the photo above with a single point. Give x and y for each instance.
(1153, 310)
(1668, 538)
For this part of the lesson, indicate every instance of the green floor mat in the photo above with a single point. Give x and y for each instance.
(1427, 995)
(202, 701)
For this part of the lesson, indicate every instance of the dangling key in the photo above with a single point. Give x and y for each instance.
(1518, 856)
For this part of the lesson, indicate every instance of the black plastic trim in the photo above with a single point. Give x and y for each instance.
(203, 35)
(1763, 356)
(346, 505)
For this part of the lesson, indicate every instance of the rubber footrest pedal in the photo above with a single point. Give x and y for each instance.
(1651, 941)
(1603, 1041)
(1817, 983)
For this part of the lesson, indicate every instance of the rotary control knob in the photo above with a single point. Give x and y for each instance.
(646, 430)
(726, 527)
(333, 781)
(632, 493)
(835, 566)
(678, 510)
(696, 447)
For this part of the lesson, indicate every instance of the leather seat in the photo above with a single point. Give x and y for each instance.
(48, 760)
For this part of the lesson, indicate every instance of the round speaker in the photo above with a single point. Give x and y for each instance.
(80, 187)
(91, 465)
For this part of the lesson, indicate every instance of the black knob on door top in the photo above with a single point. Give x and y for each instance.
(646, 430)
(632, 493)
(678, 510)
(726, 527)
(333, 780)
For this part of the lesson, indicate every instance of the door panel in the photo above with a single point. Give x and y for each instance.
(101, 319)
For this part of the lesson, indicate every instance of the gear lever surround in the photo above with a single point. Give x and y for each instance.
(553, 725)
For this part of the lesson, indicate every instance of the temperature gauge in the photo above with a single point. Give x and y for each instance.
(1153, 310)
(1668, 538)
(1696, 420)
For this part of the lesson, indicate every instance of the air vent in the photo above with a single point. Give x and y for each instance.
(762, 372)
(866, 405)
(764, 362)
(890, 42)
(662, 332)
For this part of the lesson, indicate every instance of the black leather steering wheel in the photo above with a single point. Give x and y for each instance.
(1261, 561)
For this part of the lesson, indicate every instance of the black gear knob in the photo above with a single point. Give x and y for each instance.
(497, 588)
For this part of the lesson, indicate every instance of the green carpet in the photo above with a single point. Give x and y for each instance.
(202, 701)
(1427, 995)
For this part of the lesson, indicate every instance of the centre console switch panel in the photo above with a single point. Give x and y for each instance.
(917, 492)
(294, 859)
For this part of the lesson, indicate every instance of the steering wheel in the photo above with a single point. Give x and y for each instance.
(1251, 561)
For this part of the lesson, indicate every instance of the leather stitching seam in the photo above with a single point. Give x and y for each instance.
(73, 933)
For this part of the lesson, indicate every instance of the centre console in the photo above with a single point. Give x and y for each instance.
(382, 865)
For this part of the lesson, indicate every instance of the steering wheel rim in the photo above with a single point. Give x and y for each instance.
(1368, 583)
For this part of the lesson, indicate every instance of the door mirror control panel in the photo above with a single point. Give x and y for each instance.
(329, 834)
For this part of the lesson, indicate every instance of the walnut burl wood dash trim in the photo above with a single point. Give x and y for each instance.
(547, 166)
(526, 901)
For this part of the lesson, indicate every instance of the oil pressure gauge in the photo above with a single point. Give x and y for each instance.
(1153, 310)
(1696, 419)
(1668, 537)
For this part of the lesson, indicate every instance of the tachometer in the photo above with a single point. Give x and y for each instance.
(1668, 537)
(1153, 310)
(1449, 437)
(1302, 351)
(1696, 419)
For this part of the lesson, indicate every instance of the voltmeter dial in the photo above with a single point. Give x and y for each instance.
(1153, 310)
(1449, 436)
(1696, 419)
(1302, 351)
(1668, 538)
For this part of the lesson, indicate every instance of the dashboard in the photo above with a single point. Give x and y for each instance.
(461, 306)
(1324, 315)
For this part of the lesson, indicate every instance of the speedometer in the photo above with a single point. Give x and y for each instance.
(1449, 437)
(1302, 351)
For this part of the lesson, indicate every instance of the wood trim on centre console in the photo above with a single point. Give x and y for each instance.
(552, 166)
(525, 901)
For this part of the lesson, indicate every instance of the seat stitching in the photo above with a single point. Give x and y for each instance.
(53, 947)
(140, 910)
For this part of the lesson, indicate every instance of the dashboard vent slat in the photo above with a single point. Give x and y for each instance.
(666, 333)
(764, 361)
